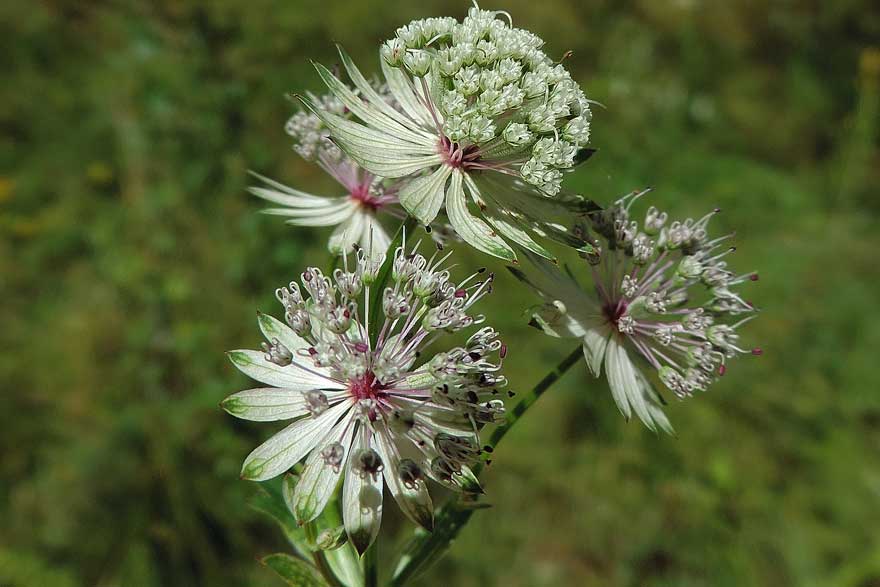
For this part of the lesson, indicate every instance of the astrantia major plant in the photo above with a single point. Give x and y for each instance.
(368, 407)
(472, 120)
(485, 118)
(661, 293)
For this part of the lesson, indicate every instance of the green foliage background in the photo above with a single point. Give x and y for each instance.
(131, 258)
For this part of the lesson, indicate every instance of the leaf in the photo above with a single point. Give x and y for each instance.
(378, 287)
(295, 572)
(270, 502)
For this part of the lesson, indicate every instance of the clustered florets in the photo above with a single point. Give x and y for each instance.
(494, 87)
(662, 290)
(375, 408)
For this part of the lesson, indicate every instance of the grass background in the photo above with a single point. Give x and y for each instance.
(131, 258)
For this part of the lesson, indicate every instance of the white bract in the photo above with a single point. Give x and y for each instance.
(483, 117)
(663, 292)
(366, 407)
(354, 214)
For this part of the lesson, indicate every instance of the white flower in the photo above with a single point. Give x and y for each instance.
(485, 120)
(661, 292)
(366, 406)
(354, 214)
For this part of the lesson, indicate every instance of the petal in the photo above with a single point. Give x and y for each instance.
(347, 233)
(330, 215)
(366, 90)
(374, 237)
(254, 365)
(515, 233)
(272, 328)
(423, 196)
(630, 388)
(266, 404)
(318, 481)
(414, 502)
(595, 342)
(370, 114)
(400, 88)
(289, 446)
(287, 196)
(472, 230)
(361, 501)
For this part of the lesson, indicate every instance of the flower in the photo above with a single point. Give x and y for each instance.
(355, 214)
(483, 111)
(365, 405)
(663, 292)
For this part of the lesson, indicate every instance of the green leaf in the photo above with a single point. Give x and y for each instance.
(378, 286)
(270, 502)
(294, 571)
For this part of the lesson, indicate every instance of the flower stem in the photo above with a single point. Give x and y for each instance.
(371, 566)
(424, 548)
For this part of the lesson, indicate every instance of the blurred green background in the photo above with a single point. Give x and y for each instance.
(131, 258)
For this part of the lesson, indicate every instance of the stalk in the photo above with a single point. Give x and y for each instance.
(425, 548)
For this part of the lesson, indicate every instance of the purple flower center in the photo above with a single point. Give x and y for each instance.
(457, 156)
(613, 311)
(365, 198)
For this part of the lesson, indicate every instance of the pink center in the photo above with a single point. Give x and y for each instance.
(457, 156)
(362, 195)
(613, 311)
(365, 387)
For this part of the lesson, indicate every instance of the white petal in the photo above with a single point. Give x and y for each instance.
(370, 113)
(515, 233)
(347, 233)
(327, 216)
(272, 328)
(266, 404)
(374, 237)
(423, 196)
(254, 365)
(472, 230)
(415, 502)
(289, 446)
(595, 342)
(287, 196)
(630, 388)
(400, 88)
(372, 96)
(318, 481)
(361, 501)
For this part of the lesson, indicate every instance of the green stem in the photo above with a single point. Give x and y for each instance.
(371, 566)
(425, 548)
(319, 559)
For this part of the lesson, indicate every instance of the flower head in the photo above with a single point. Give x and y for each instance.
(367, 406)
(367, 196)
(660, 290)
(484, 116)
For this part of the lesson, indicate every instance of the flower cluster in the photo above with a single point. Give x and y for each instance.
(365, 405)
(663, 291)
(483, 115)
(355, 214)
(496, 89)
